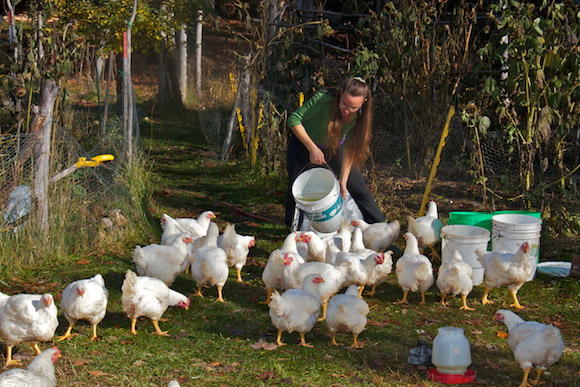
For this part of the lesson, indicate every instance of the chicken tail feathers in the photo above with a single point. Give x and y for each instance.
(129, 283)
(276, 303)
(412, 224)
(551, 334)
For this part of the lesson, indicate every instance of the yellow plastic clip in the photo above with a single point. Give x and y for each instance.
(93, 162)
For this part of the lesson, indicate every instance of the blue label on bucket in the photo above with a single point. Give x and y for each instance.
(326, 214)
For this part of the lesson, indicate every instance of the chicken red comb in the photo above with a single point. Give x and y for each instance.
(525, 247)
(318, 279)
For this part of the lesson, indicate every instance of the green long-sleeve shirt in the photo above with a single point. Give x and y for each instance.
(314, 115)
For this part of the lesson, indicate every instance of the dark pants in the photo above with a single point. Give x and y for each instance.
(298, 157)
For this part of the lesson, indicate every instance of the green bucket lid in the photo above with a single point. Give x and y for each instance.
(480, 219)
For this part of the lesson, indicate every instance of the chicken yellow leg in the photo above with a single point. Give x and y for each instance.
(355, 343)
(404, 300)
(303, 341)
(158, 331)
(434, 252)
(36, 348)
(443, 299)
(516, 302)
(540, 372)
(133, 322)
(324, 306)
(198, 293)
(67, 334)
(464, 299)
(525, 380)
(270, 290)
(9, 360)
(484, 300)
(94, 336)
(372, 292)
(333, 341)
(279, 338)
(422, 299)
(220, 297)
(239, 273)
(360, 291)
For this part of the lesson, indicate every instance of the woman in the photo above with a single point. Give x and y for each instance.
(334, 128)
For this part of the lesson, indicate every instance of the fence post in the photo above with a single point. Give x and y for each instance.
(42, 151)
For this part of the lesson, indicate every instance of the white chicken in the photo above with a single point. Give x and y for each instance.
(296, 309)
(295, 272)
(381, 272)
(169, 227)
(148, 297)
(316, 247)
(173, 383)
(455, 277)
(196, 227)
(84, 299)
(237, 248)
(164, 262)
(210, 264)
(343, 237)
(509, 269)
(358, 245)
(40, 372)
(273, 274)
(27, 318)
(331, 284)
(414, 270)
(347, 312)
(359, 271)
(378, 236)
(534, 344)
(427, 228)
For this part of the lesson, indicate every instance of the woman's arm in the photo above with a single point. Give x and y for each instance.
(316, 155)
(345, 168)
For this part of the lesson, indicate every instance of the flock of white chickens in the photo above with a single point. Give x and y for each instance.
(303, 279)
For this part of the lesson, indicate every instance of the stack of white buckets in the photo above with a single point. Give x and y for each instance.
(509, 231)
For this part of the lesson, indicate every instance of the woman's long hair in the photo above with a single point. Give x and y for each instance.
(359, 138)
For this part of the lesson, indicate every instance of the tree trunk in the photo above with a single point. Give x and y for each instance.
(230, 128)
(43, 120)
(182, 55)
(128, 87)
(198, 41)
(245, 102)
(39, 38)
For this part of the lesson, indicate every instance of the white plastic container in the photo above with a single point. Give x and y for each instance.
(509, 231)
(317, 193)
(465, 239)
(451, 353)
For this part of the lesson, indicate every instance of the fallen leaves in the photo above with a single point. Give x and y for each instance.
(98, 373)
(264, 345)
(266, 376)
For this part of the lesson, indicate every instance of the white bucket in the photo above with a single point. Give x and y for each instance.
(509, 231)
(465, 239)
(317, 193)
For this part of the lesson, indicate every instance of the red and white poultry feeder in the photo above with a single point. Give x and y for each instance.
(451, 355)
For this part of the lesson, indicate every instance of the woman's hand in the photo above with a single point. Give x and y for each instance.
(317, 156)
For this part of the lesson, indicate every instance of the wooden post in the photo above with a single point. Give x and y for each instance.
(42, 152)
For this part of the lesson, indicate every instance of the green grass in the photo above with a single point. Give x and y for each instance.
(211, 343)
